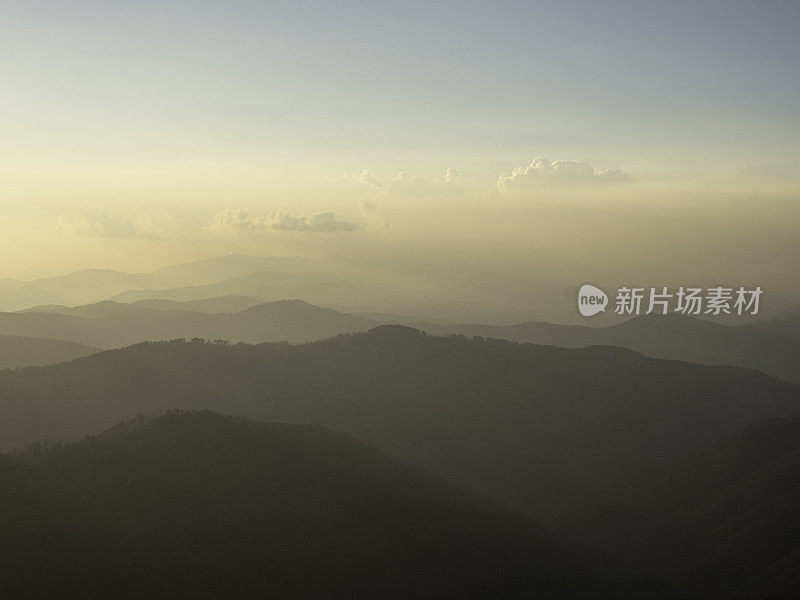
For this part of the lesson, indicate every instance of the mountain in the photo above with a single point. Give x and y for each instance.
(786, 323)
(725, 521)
(234, 265)
(531, 426)
(220, 304)
(271, 286)
(23, 351)
(112, 325)
(90, 285)
(25, 296)
(8, 284)
(198, 505)
(769, 349)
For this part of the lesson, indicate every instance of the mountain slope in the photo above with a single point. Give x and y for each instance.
(18, 351)
(197, 505)
(271, 286)
(220, 304)
(786, 323)
(532, 426)
(673, 337)
(25, 296)
(90, 285)
(725, 521)
(111, 325)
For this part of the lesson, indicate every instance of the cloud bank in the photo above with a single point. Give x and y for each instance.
(571, 173)
(414, 186)
(98, 223)
(241, 220)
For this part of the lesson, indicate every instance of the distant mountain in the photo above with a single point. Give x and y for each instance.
(725, 522)
(112, 325)
(91, 285)
(197, 505)
(531, 426)
(786, 323)
(220, 304)
(8, 284)
(767, 347)
(24, 351)
(271, 286)
(230, 266)
(25, 296)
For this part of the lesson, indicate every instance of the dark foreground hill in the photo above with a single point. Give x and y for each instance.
(198, 505)
(16, 351)
(533, 426)
(771, 346)
(725, 521)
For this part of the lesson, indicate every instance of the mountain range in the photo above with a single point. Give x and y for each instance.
(724, 522)
(529, 425)
(625, 455)
(16, 351)
(112, 325)
(769, 346)
(198, 505)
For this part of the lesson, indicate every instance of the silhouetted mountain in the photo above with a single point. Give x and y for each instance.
(18, 351)
(532, 426)
(112, 325)
(197, 505)
(725, 521)
(672, 336)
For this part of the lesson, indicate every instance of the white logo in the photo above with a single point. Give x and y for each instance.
(714, 301)
(591, 300)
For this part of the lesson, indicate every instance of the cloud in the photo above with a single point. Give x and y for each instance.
(241, 220)
(370, 216)
(415, 186)
(541, 172)
(87, 222)
(98, 223)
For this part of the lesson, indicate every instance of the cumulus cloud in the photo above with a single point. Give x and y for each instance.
(370, 215)
(98, 223)
(407, 185)
(241, 220)
(541, 172)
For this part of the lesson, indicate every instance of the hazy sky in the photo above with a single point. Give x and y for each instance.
(134, 134)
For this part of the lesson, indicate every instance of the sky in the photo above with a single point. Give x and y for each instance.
(661, 137)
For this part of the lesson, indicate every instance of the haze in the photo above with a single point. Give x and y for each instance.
(134, 136)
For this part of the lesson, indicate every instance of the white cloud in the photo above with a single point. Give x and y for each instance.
(370, 216)
(541, 172)
(98, 223)
(87, 222)
(241, 220)
(414, 186)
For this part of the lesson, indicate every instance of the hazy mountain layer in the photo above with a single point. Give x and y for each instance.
(533, 426)
(768, 346)
(112, 325)
(26, 296)
(18, 351)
